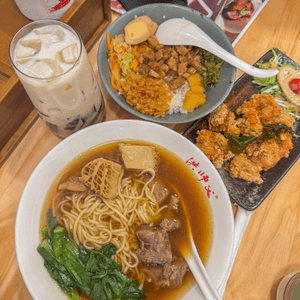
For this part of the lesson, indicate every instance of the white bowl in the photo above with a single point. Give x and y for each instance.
(27, 238)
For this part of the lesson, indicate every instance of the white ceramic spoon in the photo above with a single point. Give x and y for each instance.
(200, 274)
(184, 32)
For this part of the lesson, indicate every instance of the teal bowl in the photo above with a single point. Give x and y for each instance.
(160, 13)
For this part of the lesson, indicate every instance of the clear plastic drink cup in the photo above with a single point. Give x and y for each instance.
(52, 64)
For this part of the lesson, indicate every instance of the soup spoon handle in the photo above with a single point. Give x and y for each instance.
(184, 32)
(196, 266)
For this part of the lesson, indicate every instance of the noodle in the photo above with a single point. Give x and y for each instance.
(94, 221)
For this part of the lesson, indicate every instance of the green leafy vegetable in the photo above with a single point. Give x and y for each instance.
(76, 269)
(211, 66)
(238, 144)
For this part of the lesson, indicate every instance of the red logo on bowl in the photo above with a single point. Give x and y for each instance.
(54, 5)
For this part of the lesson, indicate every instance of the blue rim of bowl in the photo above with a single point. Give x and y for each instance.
(102, 50)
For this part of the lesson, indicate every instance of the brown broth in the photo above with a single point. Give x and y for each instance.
(178, 178)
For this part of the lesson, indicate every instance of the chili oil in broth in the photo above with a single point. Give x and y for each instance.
(179, 179)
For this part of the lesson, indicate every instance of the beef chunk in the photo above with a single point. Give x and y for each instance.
(156, 66)
(176, 83)
(74, 184)
(162, 74)
(161, 62)
(186, 75)
(159, 54)
(175, 272)
(182, 50)
(161, 193)
(181, 68)
(153, 41)
(165, 68)
(148, 54)
(183, 59)
(172, 63)
(166, 55)
(170, 224)
(170, 275)
(155, 247)
(174, 53)
(195, 62)
(159, 46)
(154, 74)
(174, 202)
(143, 69)
(140, 59)
(171, 74)
(191, 70)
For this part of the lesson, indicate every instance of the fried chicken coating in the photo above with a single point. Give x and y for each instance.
(261, 110)
(241, 167)
(214, 146)
(223, 120)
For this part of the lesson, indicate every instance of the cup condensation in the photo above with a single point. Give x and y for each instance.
(66, 102)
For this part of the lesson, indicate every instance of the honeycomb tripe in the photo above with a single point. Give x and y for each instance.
(102, 176)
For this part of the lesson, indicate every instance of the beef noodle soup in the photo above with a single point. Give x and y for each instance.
(144, 200)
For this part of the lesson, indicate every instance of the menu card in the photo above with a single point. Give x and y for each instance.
(233, 16)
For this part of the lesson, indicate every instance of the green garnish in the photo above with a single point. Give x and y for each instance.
(76, 269)
(238, 144)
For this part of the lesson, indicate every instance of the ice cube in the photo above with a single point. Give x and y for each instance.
(50, 34)
(68, 55)
(22, 62)
(44, 68)
(27, 48)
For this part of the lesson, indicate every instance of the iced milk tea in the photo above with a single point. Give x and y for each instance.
(54, 68)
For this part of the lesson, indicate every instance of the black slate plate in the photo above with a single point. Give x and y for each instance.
(250, 195)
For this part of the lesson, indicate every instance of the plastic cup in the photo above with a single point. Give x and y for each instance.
(66, 102)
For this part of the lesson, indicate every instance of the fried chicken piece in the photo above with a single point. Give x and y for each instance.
(214, 146)
(241, 167)
(223, 120)
(261, 109)
(249, 124)
(285, 144)
(264, 153)
(267, 153)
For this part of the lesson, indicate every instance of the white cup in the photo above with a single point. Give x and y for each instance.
(43, 9)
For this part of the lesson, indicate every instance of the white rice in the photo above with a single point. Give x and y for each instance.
(177, 100)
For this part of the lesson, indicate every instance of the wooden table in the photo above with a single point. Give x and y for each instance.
(270, 248)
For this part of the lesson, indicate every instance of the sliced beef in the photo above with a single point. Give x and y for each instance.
(174, 202)
(170, 224)
(155, 247)
(74, 184)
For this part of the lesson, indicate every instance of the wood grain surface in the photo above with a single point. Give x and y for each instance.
(270, 248)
